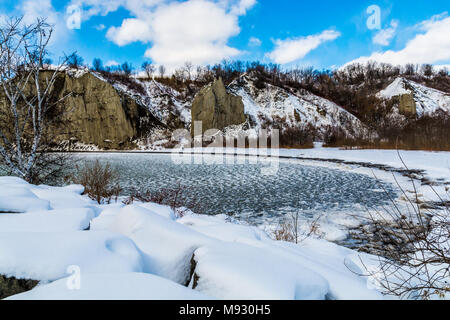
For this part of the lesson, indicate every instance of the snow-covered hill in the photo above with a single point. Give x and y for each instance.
(428, 101)
(294, 107)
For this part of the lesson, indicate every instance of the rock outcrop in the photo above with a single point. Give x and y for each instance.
(98, 114)
(407, 105)
(413, 99)
(217, 108)
(92, 112)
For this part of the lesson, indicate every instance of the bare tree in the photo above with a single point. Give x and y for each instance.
(97, 65)
(149, 69)
(26, 91)
(188, 67)
(127, 68)
(427, 70)
(74, 60)
(180, 74)
(162, 71)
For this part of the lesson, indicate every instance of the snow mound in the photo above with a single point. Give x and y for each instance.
(47, 256)
(237, 271)
(249, 253)
(126, 286)
(167, 246)
(14, 204)
(63, 197)
(230, 261)
(47, 221)
(428, 101)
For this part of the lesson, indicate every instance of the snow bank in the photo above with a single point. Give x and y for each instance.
(14, 204)
(126, 286)
(47, 221)
(47, 256)
(236, 271)
(265, 264)
(167, 246)
(144, 251)
(65, 197)
(18, 196)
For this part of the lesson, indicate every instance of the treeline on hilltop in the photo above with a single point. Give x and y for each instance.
(353, 87)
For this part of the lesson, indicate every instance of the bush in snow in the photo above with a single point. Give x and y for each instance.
(177, 198)
(101, 182)
(289, 229)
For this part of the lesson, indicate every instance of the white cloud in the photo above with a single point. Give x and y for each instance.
(177, 31)
(430, 45)
(254, 42)
(242, 7)
(130, 31)
(100, 27)
(34, 9)
(290, 50)
(92, 8)
(384, 37)
(195, 31)
(111, 63)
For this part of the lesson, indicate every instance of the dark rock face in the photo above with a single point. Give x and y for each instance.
(93, 112)
(407, 105)
(13, 286)
(96, 113)
(217, 108)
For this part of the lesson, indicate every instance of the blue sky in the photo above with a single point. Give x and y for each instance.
(322, 34)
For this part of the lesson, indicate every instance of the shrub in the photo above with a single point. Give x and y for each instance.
(176, 198)
(101, 182)
(289, 229)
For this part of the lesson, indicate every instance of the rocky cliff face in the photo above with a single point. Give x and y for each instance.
(98, 114)
(217, 108)
(407, 105)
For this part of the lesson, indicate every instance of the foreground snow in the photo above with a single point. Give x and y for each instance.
(143, 251)
(122, 286)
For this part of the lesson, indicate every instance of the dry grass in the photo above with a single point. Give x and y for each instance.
(177, 198)
(289, 229)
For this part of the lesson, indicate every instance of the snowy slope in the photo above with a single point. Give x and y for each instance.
(294, 107)
(428, 100)
(163, 100)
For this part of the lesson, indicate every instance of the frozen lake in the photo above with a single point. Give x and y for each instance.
(242, 191)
